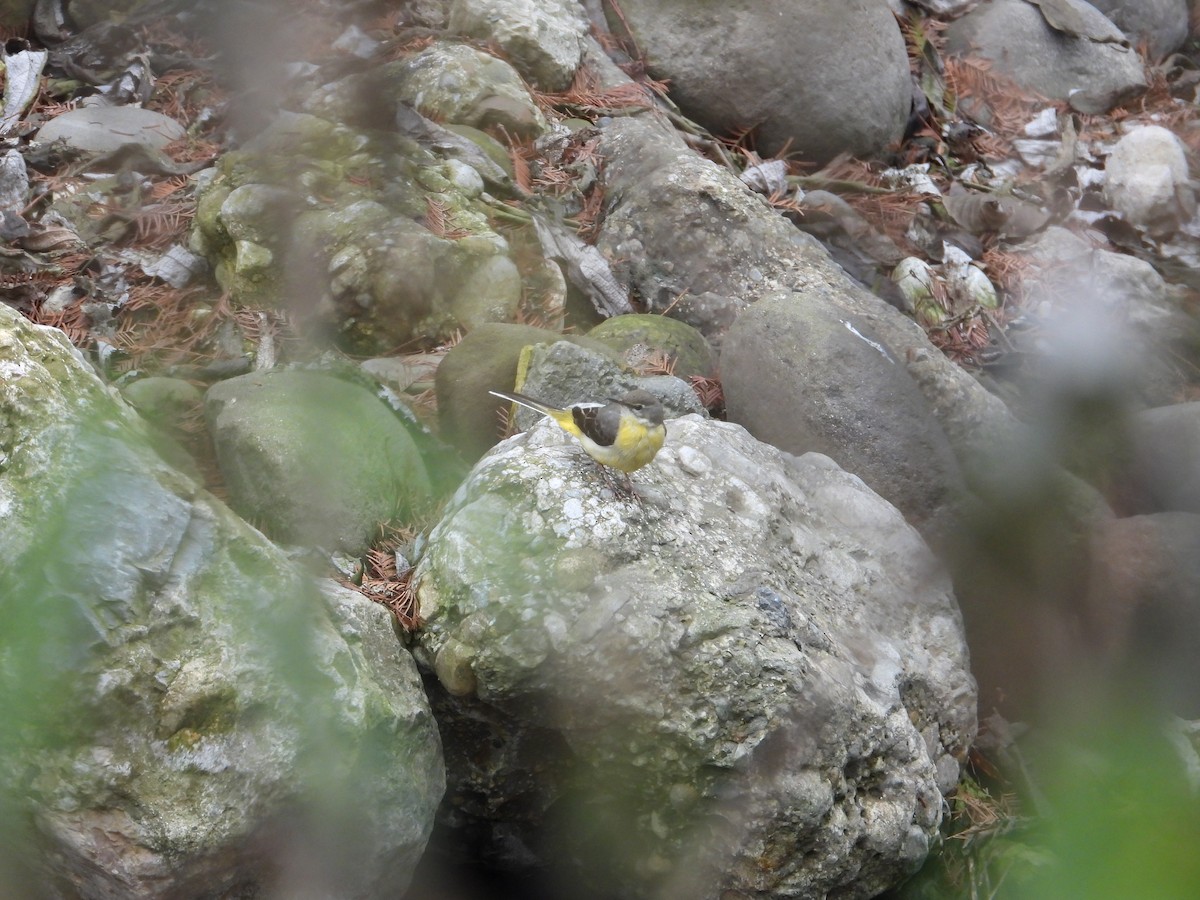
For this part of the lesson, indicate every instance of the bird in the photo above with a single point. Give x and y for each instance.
(624, 433)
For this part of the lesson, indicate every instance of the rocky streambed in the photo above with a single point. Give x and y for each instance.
(284, 593)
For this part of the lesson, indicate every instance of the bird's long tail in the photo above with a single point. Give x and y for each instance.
(529, 403)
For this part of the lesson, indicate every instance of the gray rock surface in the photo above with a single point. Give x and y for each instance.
(167, 401)
(317, 460)
(755, 675)
(1144, 608)
(803, 379)
(1167, 439)
(102, 129)
(1146, 177)
(457, 83)
(682, 229)
(185, 715)
(1093, 74)
(1162, 24)
(564, 373)
(937, 7)
(685, 234)
(173, 406)
(768, 66)
(1118, 300)
(543, 39)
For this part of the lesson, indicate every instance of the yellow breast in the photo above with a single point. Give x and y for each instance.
(636, 445)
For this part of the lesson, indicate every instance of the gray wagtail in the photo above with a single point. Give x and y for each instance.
(624, 433)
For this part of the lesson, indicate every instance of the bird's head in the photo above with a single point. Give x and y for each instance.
(644, 405)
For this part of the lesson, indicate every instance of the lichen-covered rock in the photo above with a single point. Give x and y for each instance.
(184, 714)
(752, 678)
(365, 236)
(457, 83)
(542, 38)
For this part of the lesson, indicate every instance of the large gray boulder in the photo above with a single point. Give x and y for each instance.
(1161, 24)
(1085, 59)
(802, 379)
(184, 714)
(750, 678)
(820, 78)
(690, 238)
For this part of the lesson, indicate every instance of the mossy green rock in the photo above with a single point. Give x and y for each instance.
(172, 682)
(486, 359)
(491, 147)
(169, 404)
(165, 401)
(642, 337)
(364, 236)
(315, 459)
(457, 83)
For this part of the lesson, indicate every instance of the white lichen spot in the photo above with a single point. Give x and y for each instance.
(886, 674)
(693, 462)
(556, 630)
(746, 503)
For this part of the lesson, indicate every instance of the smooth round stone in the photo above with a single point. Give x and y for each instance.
(101, 129)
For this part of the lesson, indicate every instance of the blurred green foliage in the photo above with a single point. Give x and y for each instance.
(1109, 815)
